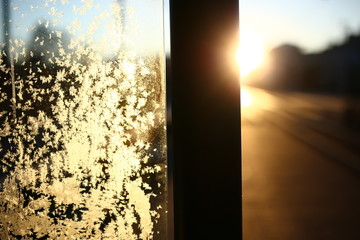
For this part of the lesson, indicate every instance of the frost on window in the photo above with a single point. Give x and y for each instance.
(82, 128)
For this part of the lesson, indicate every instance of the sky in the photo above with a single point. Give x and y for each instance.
(310, 24)
(144, 19)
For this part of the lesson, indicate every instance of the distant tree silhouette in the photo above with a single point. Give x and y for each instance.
(285, 71)
(46, 44)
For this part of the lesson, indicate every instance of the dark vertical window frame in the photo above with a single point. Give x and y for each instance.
(205, 128)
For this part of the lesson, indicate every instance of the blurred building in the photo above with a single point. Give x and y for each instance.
(334, 70)
(285, 67)
(337, 69)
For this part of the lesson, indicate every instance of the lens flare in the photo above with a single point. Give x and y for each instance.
(250, 53)
(246, 98)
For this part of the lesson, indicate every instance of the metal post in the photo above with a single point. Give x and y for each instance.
(9, 58)
(206, 120)
(6, 25)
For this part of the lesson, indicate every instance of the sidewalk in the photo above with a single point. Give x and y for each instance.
(293, 192)
(295, 183)
(331, 124)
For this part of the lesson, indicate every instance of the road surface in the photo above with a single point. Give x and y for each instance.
(301, 167)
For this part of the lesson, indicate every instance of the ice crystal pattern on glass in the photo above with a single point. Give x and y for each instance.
(82, 128)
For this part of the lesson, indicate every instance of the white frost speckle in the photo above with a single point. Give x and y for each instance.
(80, 160)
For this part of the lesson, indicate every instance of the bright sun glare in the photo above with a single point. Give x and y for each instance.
(250, 53)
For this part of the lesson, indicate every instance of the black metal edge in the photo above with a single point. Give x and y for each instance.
(205, 153)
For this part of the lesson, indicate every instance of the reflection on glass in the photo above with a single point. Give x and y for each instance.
(82, 152)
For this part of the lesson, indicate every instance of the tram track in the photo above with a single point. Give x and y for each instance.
(330, 139)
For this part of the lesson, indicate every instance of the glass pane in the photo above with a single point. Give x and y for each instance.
(82, 118)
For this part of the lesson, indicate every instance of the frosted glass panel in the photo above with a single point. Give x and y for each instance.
(82, 120)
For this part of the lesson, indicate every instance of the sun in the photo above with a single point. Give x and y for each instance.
(250, 53)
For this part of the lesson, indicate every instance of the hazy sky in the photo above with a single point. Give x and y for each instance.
(144, 20)
(310, 24)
